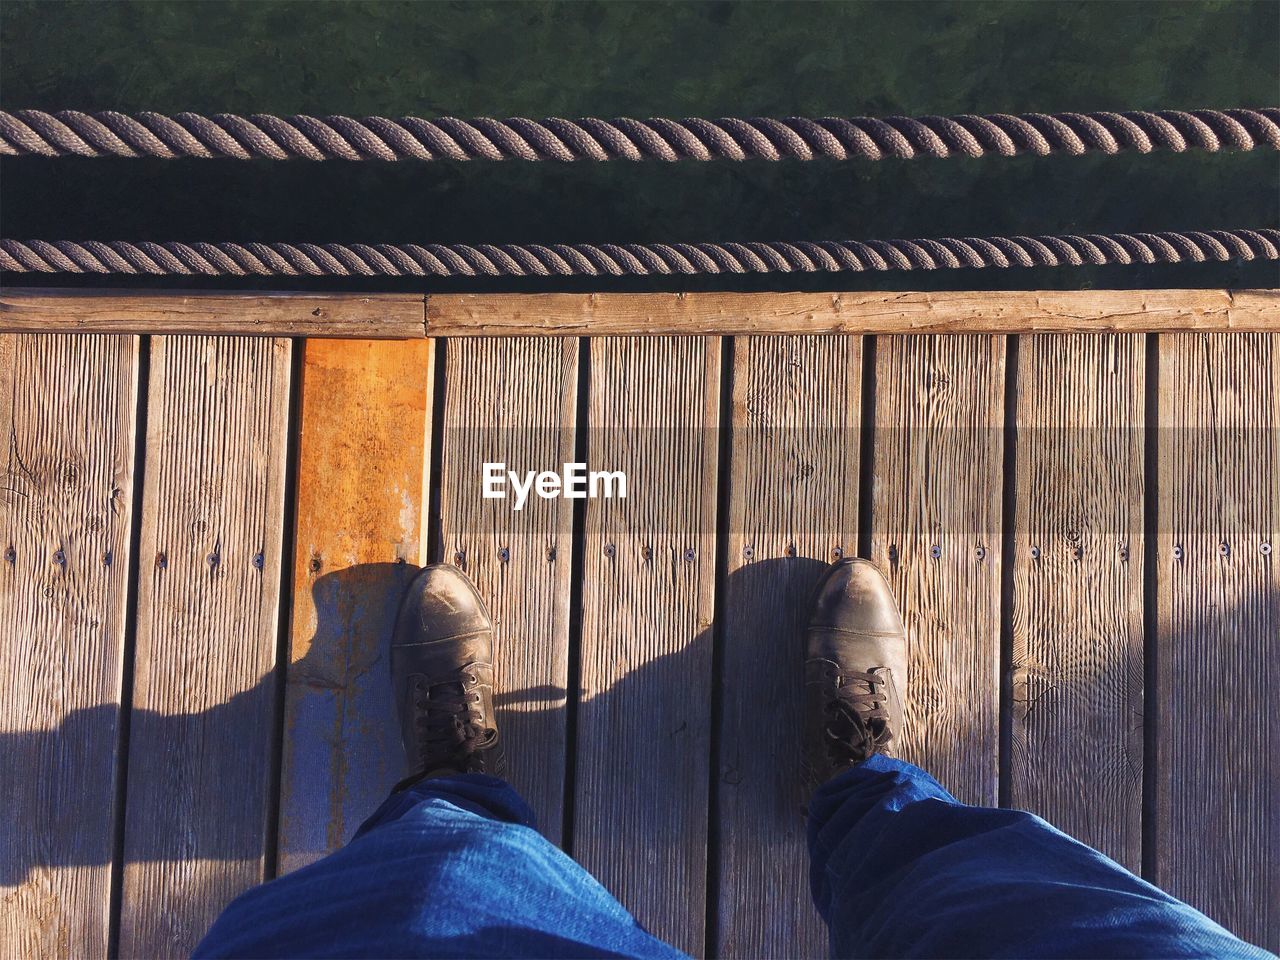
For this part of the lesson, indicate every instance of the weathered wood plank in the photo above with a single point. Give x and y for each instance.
(936, 520)
(1217, 710)
(1077, 588)
(68, 407)
(985, 311)
(645, 717)
(405, 316)
(513, 402)
(204, 694)
(381, 315)
(362, 464)
(793, 509)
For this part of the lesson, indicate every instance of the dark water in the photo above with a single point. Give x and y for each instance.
(648, 59)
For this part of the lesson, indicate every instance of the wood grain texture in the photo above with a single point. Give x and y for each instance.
(513, 402)
(209, 582)
(793, 509)
(380, 315)
(644, 722)
(1077, 588)
(68, 409)
(405, 316)
(362, 463)
(936, 522)
(1217, 711)
(1022, 311)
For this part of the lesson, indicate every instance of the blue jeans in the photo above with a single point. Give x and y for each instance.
(452, 867)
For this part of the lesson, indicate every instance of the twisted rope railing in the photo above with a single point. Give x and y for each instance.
(632, 259)
(108, 133)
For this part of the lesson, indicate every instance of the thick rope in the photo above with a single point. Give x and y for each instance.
(632, 259)
(108, 133)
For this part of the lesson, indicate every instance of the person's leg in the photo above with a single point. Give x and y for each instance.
(899, 868)
(447, 867)
(450, 865)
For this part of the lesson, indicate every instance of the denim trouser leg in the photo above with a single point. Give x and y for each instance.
(900, 868)
(450, 867)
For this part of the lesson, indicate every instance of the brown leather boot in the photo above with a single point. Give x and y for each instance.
(855, 670)
(442, 677)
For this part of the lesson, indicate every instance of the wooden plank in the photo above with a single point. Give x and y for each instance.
(644, 722)
(600, 314)
(68, 407)
(936, 520)
(204, 694)
(402, 316)
(1217, 702)
(513, 402)
(1077, 588)
(362, 464)
(793, 508)
(380, 315)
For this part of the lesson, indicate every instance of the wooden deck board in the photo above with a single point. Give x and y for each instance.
(936, 517)
(395, 316)
(204, 686)
(1077, 588)
(793, 508)
(68, 409)
(645, 715)
(514, 402)
(951, 311)
(365, 425)
(1217, 712)
(70, 310)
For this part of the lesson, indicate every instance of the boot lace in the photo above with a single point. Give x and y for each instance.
(449, 721)
(858, 718)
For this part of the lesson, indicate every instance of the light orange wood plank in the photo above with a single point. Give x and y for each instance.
(204, 680)
(362, 465)
(68, 408)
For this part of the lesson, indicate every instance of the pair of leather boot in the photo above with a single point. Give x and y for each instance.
(855, 667)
